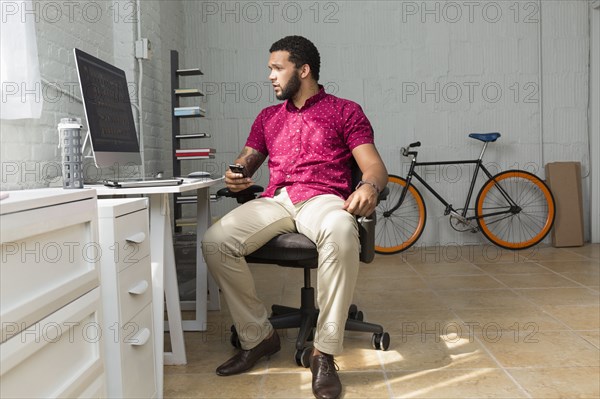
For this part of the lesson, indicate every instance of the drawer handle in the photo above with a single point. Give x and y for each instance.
(139, 288)
(137, 238)
(141, 338)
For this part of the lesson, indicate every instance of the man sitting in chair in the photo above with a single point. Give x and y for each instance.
(310, 140)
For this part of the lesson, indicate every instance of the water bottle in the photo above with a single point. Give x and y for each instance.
(69, 130)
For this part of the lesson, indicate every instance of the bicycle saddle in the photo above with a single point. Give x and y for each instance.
(486, 137)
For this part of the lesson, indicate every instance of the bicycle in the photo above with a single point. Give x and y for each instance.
(514, 209)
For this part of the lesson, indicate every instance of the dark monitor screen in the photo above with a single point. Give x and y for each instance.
(107, 107)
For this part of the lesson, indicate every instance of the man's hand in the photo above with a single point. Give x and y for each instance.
(236, 181)
(363, 201)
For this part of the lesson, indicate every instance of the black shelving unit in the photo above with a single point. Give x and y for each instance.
(178, 92)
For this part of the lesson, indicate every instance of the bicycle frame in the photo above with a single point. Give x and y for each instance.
(448, 207)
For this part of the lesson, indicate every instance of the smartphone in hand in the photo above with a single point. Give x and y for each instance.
(239, 169)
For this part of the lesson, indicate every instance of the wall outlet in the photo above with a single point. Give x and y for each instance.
(142, 49)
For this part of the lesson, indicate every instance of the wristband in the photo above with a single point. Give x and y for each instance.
(363, 182)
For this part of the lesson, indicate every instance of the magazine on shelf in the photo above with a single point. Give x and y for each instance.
(189, 111)
(189, 92)
(193, 136)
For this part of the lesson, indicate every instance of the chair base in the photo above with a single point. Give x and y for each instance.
(305, 318)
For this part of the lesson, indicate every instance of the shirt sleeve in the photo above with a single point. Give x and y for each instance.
(256, 139)
(357, 128)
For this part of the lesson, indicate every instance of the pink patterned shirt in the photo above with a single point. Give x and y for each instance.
(310, 149)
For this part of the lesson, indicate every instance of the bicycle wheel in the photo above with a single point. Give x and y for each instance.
(397, 231)
(520, 222)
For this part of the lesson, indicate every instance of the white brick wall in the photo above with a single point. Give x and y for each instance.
(107, 29)
(432, 71)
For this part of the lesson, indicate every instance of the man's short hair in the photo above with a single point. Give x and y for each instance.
(302, 51)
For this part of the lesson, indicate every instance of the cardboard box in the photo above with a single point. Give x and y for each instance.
(564, 180)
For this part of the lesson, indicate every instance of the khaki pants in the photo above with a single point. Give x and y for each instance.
(253, 224)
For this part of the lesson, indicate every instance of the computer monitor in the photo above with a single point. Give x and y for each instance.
(108, 111)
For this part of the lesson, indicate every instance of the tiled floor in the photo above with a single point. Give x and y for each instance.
(465, 322)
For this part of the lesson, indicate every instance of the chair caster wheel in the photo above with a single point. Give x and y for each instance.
(303, 357)
(353, 309)
(355, 314)
(359, 316)
(235, 339)
(381, 341)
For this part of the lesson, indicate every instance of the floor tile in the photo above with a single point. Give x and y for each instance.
(390, 284)
(561, 296)
(475, 383)
(591, 280)
(510, 319)
(538, 280)
(560, 382)
(591, 251)
(430, 350)
(491, 254)
(405, 323)
(383, 270)
(577, 317)
(552, 254)
(541, 349)
(593, 337)
(495, 298)
(512, 268)
(405, 300)
(447, 269)
(572, 266)
(477, 282)
(364, 385)
(213, 386)
(288, 385)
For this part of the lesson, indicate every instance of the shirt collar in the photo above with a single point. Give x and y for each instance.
(309, 102)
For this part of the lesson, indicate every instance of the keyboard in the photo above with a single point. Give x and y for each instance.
(134, 183)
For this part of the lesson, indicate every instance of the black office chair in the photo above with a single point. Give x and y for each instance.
(296, 250)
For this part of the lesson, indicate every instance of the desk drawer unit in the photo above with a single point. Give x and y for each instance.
(50, 305)
(48, 259)
(135, 290)
(126, 281)
(59, 356)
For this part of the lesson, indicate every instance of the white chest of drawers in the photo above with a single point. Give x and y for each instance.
(127, 298)
(50, 307)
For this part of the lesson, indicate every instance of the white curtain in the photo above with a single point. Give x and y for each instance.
(21, 88)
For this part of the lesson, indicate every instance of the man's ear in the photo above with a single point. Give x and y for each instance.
(305, 71)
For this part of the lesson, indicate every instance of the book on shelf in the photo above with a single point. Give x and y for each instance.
(188, 92)
(189, 111)
(189, 71)
(206, 156)
(195, 153)
(192, 152)
(193, 136)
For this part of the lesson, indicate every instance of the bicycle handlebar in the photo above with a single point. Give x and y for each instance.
(406, 150)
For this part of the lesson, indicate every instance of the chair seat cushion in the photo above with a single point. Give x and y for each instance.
(290, 249)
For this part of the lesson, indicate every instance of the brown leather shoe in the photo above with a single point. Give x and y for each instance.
(325, 381)
(245, 360)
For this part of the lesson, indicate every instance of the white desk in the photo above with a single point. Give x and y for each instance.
(163, 261)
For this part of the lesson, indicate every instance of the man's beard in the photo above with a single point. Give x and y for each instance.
(290, 89)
